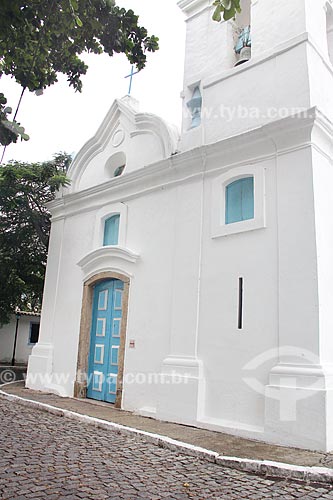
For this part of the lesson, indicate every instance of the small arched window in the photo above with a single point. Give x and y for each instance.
(119, 171)
(111, 230)
(115, 165)
(239, 200)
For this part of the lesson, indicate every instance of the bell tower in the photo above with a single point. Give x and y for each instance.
(291, 44)
(258, 102)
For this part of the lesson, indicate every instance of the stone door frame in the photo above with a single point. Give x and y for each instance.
(80, 386)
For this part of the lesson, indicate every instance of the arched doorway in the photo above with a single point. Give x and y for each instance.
(102, 341)
(103, 365)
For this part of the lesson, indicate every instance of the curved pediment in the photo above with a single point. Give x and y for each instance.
(126, 141)
(115, 258)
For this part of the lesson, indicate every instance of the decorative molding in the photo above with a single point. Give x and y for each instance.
(97, 258)
(185, 366)
(118, 137)
(100, 217)
(273, 139)
(43, 350)
(145, 122)
(193, 7)
(311, 376)
(255, 61)
(266, 56)
(218, 224)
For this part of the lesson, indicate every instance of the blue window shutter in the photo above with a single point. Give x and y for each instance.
(239, 200)
(247, 198)
(111, 230)
(233, 211)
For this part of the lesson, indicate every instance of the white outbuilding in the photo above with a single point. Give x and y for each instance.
(18, 337)
(190, 277)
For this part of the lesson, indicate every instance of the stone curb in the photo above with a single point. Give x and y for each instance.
(262, 467)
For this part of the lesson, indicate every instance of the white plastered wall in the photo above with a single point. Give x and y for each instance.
(23, 347)
(184, 285)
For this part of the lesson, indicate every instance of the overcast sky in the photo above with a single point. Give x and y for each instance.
(62, 120)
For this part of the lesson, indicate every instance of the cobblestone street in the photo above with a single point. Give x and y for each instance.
(46, 456)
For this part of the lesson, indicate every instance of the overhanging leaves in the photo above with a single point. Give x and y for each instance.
(226, 8)
(41, 38)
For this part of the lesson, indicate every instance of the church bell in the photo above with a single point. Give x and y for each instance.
(244, 56)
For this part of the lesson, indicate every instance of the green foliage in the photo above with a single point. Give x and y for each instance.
(24, 230)
(41, 38)
(10, 130)
(227, 8)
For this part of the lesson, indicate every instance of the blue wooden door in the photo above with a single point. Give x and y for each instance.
(105, 341)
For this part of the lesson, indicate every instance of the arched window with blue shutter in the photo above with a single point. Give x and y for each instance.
(111, 230)
(239, 200)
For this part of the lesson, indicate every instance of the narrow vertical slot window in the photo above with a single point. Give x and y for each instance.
(195, 105)
(240, 302)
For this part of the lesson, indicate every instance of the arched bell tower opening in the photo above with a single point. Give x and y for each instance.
(242, 34)
(244, 18)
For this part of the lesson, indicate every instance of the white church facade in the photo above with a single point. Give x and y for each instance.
(189, 276)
